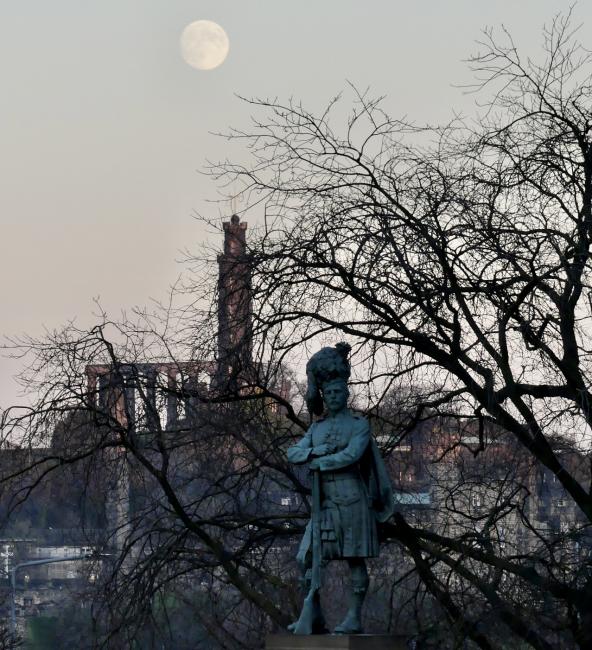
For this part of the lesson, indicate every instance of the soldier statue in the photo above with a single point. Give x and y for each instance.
(351, 490)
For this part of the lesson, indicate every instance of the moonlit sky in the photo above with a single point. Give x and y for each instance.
(103, 126)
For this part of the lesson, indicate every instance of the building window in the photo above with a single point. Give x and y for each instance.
(286, 501)
(180, 386)
(203, 380)
(162, 398)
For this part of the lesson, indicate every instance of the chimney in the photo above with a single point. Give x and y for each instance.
(234, 308)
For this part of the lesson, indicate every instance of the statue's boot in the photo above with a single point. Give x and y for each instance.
(311, 617)
(352, 623)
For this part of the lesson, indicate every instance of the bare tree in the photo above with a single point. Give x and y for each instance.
(455, 258)
(184, 474)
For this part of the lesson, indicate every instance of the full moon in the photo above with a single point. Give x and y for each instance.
(204, 45)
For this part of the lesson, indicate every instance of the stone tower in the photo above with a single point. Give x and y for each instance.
(234, 358)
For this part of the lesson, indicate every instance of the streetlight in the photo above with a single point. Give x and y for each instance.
(47, 560)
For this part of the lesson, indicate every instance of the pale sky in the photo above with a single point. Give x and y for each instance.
(103, 126)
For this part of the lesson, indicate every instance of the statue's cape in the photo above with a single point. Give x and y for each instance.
(378, 482)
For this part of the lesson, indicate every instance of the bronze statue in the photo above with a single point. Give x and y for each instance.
(351, 490)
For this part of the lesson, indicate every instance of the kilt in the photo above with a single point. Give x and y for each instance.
(348, 524)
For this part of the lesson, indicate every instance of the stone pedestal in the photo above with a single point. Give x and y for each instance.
(335, 642)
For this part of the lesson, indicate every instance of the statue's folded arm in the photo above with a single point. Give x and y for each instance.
(353, 452)
(300, 452)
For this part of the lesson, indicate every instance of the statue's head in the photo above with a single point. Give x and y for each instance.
(327, 372)
(335, 394)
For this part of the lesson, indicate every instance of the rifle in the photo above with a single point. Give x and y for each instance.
(311, 619)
